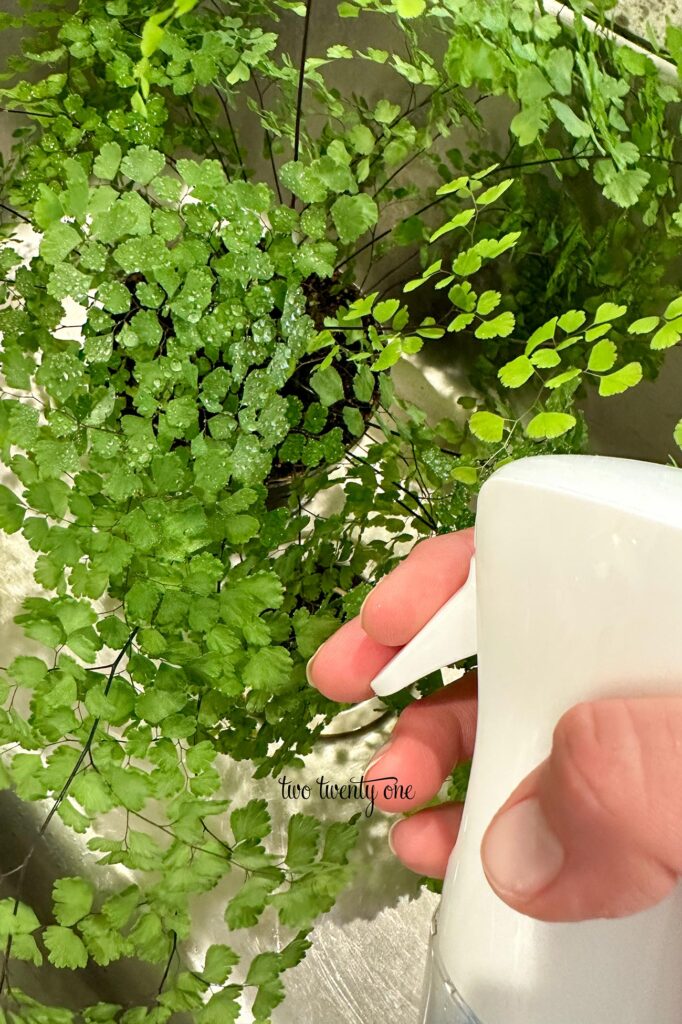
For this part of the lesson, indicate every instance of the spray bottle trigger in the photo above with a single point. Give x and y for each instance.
(448, 636)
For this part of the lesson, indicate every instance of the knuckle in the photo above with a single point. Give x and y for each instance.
(575, 729)
(600, 757)
(419, 722)
(422, 547)
(411, 717)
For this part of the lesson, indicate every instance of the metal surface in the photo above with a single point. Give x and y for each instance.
(367, 961)
(366, 964)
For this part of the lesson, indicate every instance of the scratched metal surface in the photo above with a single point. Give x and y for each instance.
(368, 954)
(367, 958)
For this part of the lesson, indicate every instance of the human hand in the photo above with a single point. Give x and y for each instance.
(593, 831)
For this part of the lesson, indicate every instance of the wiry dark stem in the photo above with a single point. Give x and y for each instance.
(425, 518)
(439, 199)
(57, 803)
(174, 946)
(268, 141)
(15, 213)
(362, 730)
(210, 138)
(235, 143)
(301, 83)
(27, 113)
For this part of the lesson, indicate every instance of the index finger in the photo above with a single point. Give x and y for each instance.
(403, 602)
(399, 606)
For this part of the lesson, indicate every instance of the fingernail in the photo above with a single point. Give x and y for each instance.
(362, 606)
(391, 830)
(309, 667)
(521, 854)
(378, 754)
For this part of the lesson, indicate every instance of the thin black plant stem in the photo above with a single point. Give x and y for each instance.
(268, 141)
(301, 84)
(57, 803)
(174, 946)
(383, 234)
(27, 113)
(391, 272)
(301, 79)
(226, 109)
(210, 138)
(439, 199)
(370, 261)
(403, 115)
(432, 525)
(15, 213)
(410, 159)
(362, 730)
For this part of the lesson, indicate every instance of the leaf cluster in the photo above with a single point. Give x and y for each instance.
(189, 360)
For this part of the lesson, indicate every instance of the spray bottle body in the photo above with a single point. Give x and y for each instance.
(579, 594)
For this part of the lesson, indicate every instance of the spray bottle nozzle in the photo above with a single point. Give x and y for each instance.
(448, 637)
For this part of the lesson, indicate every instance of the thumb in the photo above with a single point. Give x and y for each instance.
(596, 829)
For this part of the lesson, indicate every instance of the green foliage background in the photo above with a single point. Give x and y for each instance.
(240, 318)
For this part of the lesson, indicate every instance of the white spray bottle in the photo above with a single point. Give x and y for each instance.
(576, 594)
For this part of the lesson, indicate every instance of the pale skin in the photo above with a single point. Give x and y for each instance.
(593, 831)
